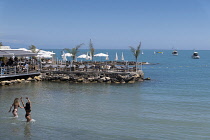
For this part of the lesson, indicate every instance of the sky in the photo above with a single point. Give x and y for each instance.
(110, 24)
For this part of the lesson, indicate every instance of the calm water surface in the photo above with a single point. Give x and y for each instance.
(174, 105)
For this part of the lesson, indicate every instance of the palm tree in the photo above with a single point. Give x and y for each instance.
(136, 52)
(32, 48)
(74, 51)
(92, 50)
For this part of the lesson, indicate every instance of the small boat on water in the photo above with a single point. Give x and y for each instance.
(175, 53)
(158, 52)
(195, 55)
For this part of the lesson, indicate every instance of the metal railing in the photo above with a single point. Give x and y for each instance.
(18, 70)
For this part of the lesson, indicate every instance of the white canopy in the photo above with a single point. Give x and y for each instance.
(101, 55)
(15, 52)
(84, 56)
(67, 54)
(44, 54)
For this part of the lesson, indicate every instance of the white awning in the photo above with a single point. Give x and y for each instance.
(15, 52)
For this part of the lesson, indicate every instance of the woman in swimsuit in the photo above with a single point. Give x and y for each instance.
(27, 108)
(16, 104)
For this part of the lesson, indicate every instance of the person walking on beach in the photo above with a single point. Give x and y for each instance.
(16, 104)
(27, 108)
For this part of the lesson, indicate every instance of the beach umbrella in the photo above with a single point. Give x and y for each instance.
(122, 57)
(116, 57)
(68, 54)
(64, 56)
(101, 55)
(44, 54)
(85, 56)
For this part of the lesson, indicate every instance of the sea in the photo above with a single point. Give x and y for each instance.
(173, 105)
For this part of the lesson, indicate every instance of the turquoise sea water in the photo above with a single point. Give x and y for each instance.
(174, 104)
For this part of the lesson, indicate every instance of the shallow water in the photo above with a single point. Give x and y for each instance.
(173, 105)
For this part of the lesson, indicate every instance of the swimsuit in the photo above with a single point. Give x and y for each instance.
(27, 113)
(15, 112)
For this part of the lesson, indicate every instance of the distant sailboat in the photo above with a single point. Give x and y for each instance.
(122, 57)
(142, 52)
(116, 57)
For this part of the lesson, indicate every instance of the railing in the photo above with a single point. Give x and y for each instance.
(87, 68)
(18, 70)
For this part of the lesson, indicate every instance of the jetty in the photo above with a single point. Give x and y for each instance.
(75, 72)
(15, 67)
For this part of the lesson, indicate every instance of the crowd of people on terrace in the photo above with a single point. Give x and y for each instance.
(21, 65)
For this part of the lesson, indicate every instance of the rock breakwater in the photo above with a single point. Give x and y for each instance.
(80, 77)
(94, 77)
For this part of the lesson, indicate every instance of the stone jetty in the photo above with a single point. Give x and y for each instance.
(21, 80)
(92, 72)
(80, 77)
(93, 77)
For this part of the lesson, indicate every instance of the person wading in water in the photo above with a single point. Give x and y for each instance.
(16, 104)
(27, 108)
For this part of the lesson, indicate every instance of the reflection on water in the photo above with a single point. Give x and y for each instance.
(27, 130)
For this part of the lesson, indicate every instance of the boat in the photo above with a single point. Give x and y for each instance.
(158, 52)
(175, 53)
(195, 55)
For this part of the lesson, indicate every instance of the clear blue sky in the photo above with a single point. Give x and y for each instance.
(111, 24)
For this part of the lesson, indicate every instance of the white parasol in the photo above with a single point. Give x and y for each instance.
(101, 55)
(85, 56)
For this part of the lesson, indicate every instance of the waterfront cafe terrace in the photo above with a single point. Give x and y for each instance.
(17, 62)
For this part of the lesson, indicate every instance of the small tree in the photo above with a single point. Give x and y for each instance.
(32, 48)
(136, 52)
(92, 50)
(74, 51)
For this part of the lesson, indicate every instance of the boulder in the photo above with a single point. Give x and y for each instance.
(6, 82)
(19, 81)
(37, 78)
(29, 79)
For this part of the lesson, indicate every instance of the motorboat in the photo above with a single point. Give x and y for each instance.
(195, 55)
(175, 53)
